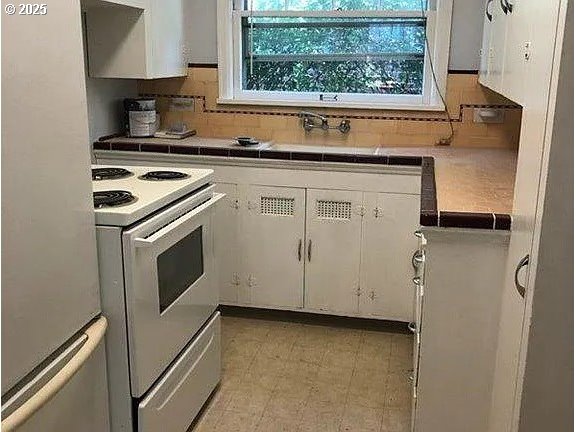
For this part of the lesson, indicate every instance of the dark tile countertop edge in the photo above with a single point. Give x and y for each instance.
(430, 216)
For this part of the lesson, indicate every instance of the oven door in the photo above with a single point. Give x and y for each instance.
(170, 284)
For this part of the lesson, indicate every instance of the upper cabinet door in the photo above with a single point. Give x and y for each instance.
(498, 47)
(272, 254)
(388, 243)
(333, 237)
(166, 39)
(485, 54)
(518, 48)
(134, 42)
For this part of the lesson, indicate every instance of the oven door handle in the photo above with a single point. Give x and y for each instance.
(150, 241)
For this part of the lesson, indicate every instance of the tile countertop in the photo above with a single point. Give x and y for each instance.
(469, 180)
(459, 183)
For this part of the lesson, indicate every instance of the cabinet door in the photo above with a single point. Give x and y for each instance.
(333, 237)
(388, 243)
(165, 51)
(272, 237)
(498, 48)
(518, 36)
(226, 225)
(483, 73)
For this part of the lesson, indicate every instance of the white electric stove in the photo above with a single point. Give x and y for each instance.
(156, 256)
(128, 194)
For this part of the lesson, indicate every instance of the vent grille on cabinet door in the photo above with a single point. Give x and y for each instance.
(340, 210)
(275, 206)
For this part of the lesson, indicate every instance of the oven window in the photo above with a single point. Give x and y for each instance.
(179, 267)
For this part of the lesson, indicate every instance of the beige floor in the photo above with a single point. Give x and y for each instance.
(281, 377)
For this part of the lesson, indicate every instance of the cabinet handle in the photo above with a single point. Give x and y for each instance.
(488, 14)
(309, 250)
(417, 259)
(523, 263)
(506, 6)
(416, 280)
(412, 327)
(300, 250)
(418, 234)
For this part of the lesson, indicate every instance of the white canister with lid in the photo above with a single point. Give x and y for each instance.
(141, 117)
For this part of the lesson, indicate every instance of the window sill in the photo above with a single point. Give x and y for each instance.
(336, 105)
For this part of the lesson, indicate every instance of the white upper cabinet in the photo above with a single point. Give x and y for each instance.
(141, 39)
(494, 45)
(509, 41)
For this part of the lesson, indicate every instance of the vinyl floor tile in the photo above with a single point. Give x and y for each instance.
(290, 377)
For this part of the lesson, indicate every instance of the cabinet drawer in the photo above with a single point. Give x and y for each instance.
(176, 399)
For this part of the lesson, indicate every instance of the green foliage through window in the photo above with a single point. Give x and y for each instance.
(361, 55)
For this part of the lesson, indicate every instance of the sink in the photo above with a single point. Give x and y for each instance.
(323, 149)
(228, 143)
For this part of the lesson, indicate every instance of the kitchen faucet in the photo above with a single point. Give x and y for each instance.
(308, 122)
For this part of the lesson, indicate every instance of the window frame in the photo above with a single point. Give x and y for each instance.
(438, 27)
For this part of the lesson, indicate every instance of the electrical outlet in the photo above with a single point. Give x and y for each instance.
(182, 104)
(488, 115)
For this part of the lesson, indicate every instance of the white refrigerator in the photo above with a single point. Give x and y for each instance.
(53, 361)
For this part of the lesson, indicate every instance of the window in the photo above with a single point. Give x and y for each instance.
(344, 53)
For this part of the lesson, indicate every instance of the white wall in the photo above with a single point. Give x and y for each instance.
(467, 22)
(105, 104)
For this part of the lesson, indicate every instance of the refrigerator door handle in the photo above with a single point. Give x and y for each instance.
(89, 340)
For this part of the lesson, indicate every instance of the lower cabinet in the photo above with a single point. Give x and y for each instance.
(320, 250)
(272, 247)
(226, 244)
(333, 239)
(388, 243)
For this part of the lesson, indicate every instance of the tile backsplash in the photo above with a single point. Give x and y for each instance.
(369, 128)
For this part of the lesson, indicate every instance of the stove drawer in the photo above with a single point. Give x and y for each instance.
(176, 399)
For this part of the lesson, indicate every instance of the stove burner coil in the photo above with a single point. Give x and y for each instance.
(164, 175)
(112, 198)
(109, 173)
